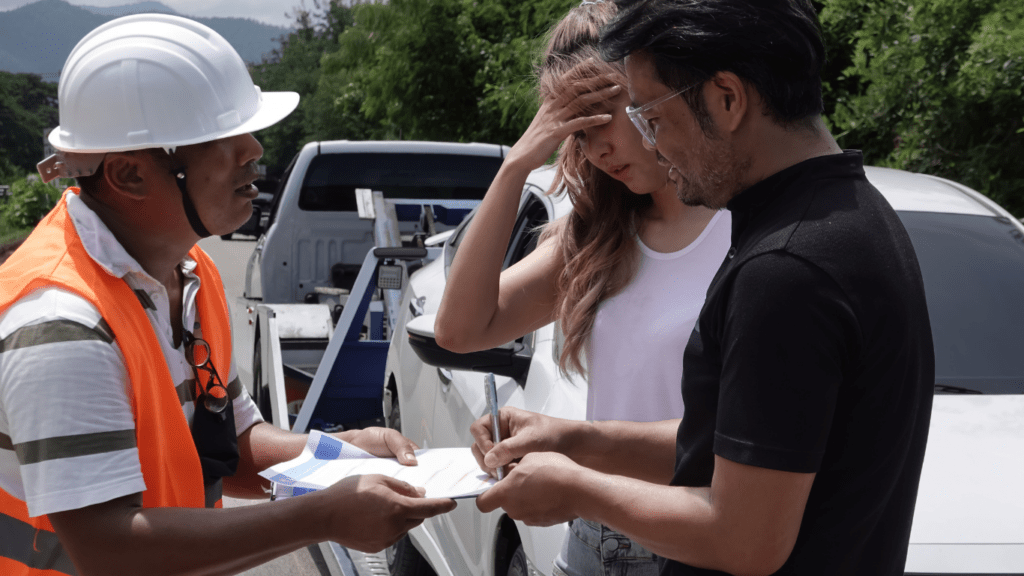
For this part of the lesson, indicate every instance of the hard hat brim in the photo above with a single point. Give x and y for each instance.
(275, 106)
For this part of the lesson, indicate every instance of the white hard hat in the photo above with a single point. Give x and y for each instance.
(158, 81)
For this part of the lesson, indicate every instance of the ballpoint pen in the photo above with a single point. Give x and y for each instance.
(491, 392)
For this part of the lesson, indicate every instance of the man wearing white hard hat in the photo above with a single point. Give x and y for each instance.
(122, 420)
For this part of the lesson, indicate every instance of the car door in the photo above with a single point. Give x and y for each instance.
(465, 535)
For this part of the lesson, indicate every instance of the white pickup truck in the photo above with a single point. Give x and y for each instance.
(311, 249)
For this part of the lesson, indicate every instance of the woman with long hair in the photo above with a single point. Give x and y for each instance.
(625, 273)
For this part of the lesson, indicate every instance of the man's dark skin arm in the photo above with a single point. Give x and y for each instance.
(365, 513)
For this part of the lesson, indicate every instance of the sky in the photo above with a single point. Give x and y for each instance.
(266, 11)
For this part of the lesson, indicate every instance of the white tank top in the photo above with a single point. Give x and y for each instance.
(635, 353)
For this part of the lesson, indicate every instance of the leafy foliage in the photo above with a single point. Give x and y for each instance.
(295, 67)
(453, 70)
(27, 107)
(9, 172)
(448, 70)
(934, 86)
(29, 201)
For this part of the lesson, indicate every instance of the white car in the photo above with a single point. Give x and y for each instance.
(970, 510)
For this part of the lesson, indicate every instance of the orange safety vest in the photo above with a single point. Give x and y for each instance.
(53, 256)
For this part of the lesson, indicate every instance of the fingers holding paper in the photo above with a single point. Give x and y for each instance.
(386, 508)
(536, 491)
(382, 442)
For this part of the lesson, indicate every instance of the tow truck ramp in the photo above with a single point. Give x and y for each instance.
(345, 378)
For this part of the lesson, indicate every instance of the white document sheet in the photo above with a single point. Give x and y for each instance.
(444, 472)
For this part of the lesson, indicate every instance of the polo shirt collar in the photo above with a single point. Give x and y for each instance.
(749, 203)
(101, 244)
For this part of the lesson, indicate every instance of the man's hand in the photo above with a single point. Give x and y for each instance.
(374, 511)
(522, 432)
(536, 490)
(383, 442)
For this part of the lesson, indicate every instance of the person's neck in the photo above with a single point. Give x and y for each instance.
(158, 252)
(666, 206)
(773, 148)
(668, 225)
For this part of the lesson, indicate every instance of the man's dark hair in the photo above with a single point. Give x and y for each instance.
(774, 45)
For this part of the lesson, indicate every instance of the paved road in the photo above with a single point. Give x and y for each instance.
(231, 258)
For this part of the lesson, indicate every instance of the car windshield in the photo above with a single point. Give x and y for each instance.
(331, 179)
(973, 268)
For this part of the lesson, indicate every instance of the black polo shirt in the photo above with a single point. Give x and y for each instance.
(813, 353)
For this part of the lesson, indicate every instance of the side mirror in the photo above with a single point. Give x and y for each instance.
(511, 360)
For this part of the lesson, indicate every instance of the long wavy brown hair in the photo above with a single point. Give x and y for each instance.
(597, 237)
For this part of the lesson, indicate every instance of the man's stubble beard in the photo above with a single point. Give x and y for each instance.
(718, 177)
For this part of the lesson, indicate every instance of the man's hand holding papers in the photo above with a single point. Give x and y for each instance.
(325, 461)
(370, 513)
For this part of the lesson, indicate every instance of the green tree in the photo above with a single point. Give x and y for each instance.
(27, 107)
(450, 70)
(9, 172)
(28, 203)
(295, 67)
(933, 86)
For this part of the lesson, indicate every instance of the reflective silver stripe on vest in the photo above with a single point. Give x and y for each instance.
(53, 332)
(36, 549)
(58, 447)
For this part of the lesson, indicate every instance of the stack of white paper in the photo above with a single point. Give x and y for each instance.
(444, 472)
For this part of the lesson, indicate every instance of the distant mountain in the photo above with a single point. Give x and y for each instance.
(38, 37)
(137, 8)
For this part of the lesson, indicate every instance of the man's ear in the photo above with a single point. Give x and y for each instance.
(123, 174)
(727, 100)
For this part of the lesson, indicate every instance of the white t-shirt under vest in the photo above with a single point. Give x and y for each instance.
(635, 353)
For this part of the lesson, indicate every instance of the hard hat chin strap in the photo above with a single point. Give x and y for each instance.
(190, 208)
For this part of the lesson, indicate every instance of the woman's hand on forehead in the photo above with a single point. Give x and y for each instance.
(582, 78)
(592, 99)
(561, 114)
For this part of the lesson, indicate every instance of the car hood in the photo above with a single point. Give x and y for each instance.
(972, 483)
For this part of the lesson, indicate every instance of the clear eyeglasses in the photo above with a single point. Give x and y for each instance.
(644, 125)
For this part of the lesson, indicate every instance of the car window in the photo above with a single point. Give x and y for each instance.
(460, 233)
(524, 237)
(526, 232)
(331, 179)
(973, 269)
(276, 203)
(455, 240)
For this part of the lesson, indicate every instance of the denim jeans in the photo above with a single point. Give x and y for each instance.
(591, 549)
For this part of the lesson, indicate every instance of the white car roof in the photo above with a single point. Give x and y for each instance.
(912, 192)
(410, 147)
(905, 191)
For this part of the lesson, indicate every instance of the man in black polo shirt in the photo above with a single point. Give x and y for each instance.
(808, 379)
